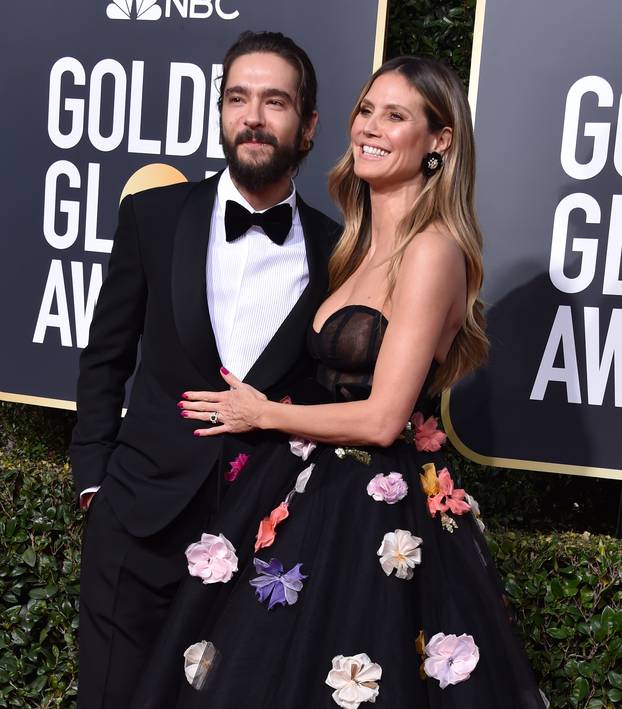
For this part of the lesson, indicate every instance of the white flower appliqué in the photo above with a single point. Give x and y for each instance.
(199, 661)
(476, 512)
(301, 447)
(400, 551)
(303, 479)
(354, 679)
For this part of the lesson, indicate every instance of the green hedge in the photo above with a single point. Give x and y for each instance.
(443, 30)
(567, 591)
(40, 553)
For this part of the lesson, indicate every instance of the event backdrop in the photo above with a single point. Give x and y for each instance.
(545, 88)
(102, 98)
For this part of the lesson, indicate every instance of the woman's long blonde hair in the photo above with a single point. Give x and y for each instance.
(447, 198)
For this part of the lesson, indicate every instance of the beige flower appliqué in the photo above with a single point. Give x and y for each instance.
(354, 679)
(400, 551)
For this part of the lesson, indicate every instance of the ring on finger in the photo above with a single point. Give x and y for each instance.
(213, 417)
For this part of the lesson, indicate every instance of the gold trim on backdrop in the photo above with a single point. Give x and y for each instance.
(533, 465)
(42, 401)
(476, 54)
(381, 31)
(38, 401)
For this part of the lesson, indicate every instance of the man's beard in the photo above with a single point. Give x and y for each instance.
(256, 176)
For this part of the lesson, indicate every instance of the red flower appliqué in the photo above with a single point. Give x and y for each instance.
(448, 497)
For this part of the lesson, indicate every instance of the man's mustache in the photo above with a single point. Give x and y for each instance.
(256, 136)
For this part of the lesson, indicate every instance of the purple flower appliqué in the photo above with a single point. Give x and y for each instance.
(275, 585)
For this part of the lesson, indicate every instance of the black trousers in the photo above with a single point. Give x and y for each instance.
(127, 586)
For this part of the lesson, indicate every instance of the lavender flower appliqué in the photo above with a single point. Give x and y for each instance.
(390, 488)
(276, 586)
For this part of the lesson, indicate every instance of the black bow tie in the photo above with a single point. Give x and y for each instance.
(276, 221)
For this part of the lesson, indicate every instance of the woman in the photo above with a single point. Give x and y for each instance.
(344, 568)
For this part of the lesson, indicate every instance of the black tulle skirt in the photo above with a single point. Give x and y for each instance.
(346, 604)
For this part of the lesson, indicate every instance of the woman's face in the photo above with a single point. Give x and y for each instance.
(390, 134)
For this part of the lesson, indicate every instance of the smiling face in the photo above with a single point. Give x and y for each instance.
(261, 127)
(390, 133)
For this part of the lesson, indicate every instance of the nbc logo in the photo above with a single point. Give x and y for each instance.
(145, 10)
(150, 10)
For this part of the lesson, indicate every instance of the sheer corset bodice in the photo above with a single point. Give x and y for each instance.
(347, 347)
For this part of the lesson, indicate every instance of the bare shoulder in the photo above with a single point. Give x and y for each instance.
(433, 250)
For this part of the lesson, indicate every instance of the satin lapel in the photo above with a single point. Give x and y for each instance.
(288, 343)
(189, 294)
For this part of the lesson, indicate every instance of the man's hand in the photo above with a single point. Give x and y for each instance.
(237, 410)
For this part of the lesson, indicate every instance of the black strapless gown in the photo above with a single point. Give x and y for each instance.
(346, 604)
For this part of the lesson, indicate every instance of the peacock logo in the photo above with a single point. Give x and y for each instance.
(125, 10)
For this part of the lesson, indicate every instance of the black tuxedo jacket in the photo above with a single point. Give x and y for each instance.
(149, 463)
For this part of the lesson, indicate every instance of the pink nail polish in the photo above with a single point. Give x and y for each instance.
(197, 434)
(184, 414)
(180, 405)
(184, 395)
(224, 370)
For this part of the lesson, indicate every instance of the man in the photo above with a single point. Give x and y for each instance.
(199, 279)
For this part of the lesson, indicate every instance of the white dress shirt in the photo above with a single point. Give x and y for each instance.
(252, 283)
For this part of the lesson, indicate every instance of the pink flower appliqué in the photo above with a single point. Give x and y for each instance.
(448, 497)
(235, 466)
(213, 559)
(301, 447)
(390, 488)
(266, 533)
(450, 658)
(427, 436)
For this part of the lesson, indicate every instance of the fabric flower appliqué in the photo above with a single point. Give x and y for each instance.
(302, 480)
(474, 504)
(266, 534)
(427, 435)
(213, 559)
(390, 488)
(450, 659)
(275, 585)
(442, 496)
(357, 454)
(200, 660)
(235, 466)
(354, 679)
(400, 551)
(420, 648)
(301, 447)
(448, 497)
